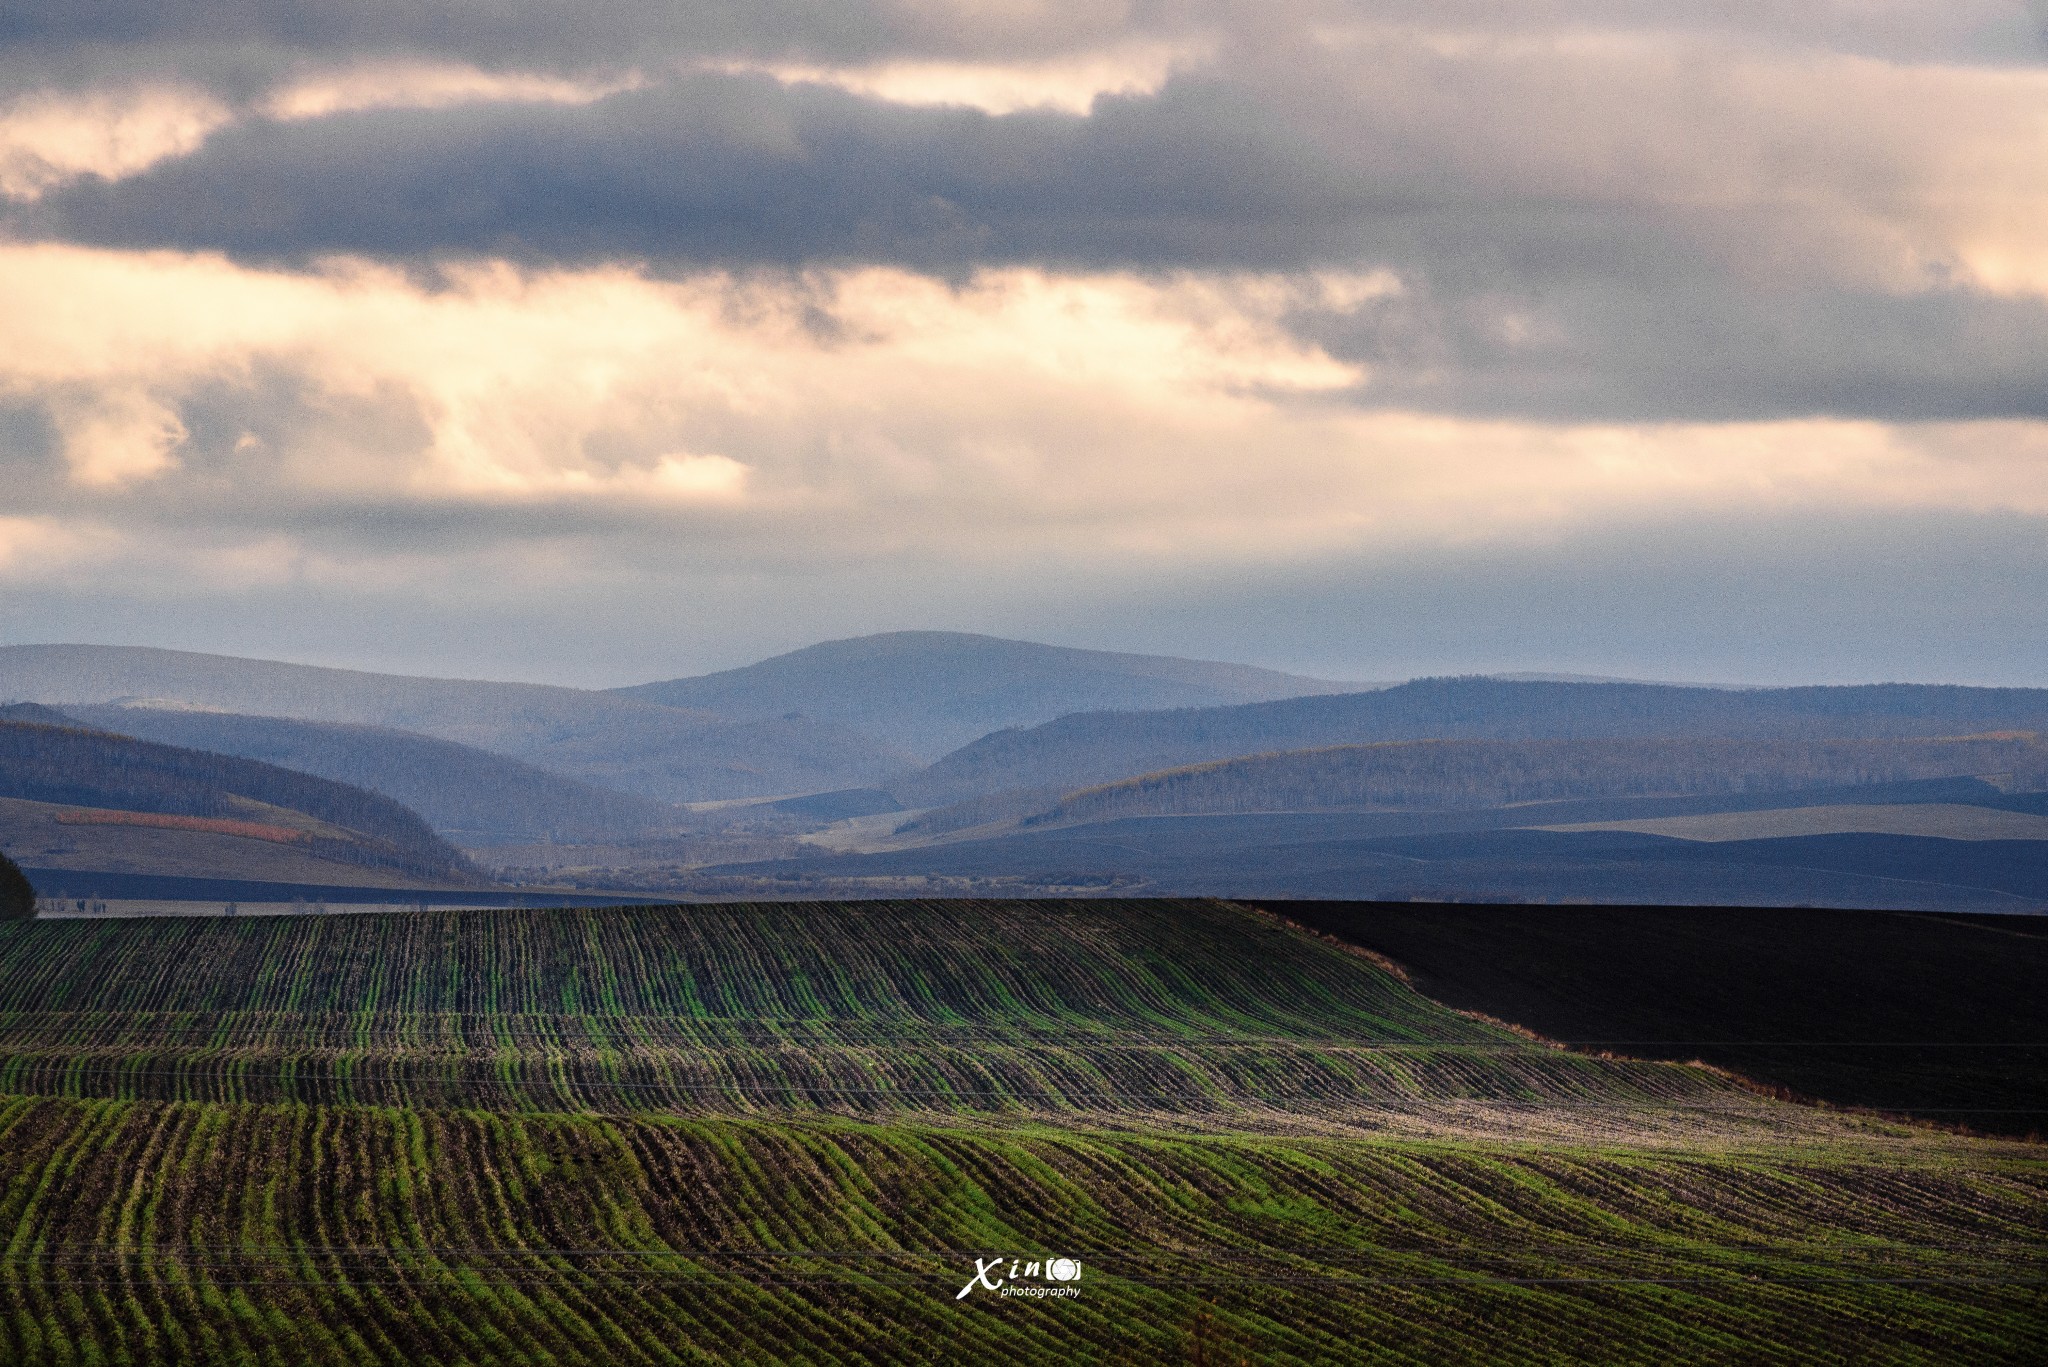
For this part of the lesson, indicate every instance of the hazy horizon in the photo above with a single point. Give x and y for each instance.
(427, 671)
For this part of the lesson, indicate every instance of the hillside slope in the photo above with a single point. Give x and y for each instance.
(927, 692)
(1102, 747)
(470, 796)
(1437, 774)
(118, 781)
(665, 753)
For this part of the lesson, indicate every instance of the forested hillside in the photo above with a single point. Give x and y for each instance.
(466, 794)
(1101, 747)
(84, 768)
(1453, 774)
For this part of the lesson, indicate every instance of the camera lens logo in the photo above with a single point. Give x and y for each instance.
(1014, 1277)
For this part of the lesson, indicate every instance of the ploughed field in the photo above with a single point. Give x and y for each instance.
(1938, 1016)
(786, 1132)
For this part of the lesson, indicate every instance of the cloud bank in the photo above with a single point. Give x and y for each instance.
(618, 306)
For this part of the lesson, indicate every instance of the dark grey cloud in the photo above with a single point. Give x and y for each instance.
(1689, 343)
(738, 170)
(1572, 302)
(238, 47)
(545, 32)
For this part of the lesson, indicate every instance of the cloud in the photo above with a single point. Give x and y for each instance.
(362, 303)
(47, 139)
(116, 436)
(1617, 224)
(849, 415)
(1070, 83)
(52, 138)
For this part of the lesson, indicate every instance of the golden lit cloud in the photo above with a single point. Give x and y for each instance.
(869, 409)
(1069, 83)
(48, 139)
(114, 436)
(430, 85)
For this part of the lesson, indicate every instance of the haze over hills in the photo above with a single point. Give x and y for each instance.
(468, 795)
(1092, 748)
(1447, 788)
(656, 751)
(928, 692)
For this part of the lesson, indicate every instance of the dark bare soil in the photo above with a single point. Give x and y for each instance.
(1939, 1017)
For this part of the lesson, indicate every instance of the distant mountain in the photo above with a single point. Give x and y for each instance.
(201, 793)
(927, 692)
(656, 751)
(470, 796)
(1472, 774)
(1102, 747)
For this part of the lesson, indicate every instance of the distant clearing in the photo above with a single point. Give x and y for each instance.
(1946, 821)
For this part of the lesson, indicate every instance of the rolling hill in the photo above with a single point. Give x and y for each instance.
(470, 796)
(1102, 747)
(1440, 774)
(1957, 844)
(927, 692)
(660, 1135)
(115, 792)
(665, 753)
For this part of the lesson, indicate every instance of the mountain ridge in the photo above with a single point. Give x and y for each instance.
(929, 692)
(649, 749)
(1088, 749)
(467, 794)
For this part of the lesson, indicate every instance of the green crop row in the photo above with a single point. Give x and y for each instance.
(1201, 1013)
(140, 1232)
(1173, 968)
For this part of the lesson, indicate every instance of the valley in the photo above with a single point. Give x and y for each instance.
(933, 764)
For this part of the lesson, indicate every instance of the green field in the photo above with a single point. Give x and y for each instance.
(785, 1133)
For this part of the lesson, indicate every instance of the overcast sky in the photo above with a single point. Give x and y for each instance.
(604, 343)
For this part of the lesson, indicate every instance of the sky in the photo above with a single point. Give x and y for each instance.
(1367, 338)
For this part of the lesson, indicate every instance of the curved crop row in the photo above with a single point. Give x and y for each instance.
(150, 1232)
(1054, 1010)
